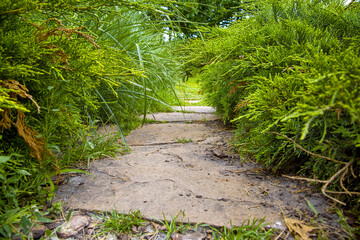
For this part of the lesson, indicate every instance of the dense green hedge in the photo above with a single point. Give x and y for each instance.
(288, 77)
(65, 67)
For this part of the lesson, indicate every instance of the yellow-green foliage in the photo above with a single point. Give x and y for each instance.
(64, 67)
(79, 65)
(292, 68)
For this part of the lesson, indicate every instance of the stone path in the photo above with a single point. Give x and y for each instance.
(185, 164)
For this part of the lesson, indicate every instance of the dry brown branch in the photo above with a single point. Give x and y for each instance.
(327, 183)
(342, 181)
(343, 171)
(29, 135)
(243, 103)
(5, 122)
(234, 88)
(153, 235)
(20, 90)
(59, 56)
(278, 237)
(323, 189)
(338, 112)
(44, 32)
(336, 192)
(308, 152)
(305, 179)
(352, 171)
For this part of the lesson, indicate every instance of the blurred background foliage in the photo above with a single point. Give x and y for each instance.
(287, 75)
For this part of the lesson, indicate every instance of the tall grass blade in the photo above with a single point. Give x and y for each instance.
(144, 83)
(112, 115)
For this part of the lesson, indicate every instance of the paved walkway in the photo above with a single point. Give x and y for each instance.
(184, 163)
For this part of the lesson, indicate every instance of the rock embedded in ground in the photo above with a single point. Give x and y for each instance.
(38, 231)
(112, 236)
(73, 226)
(188, 236)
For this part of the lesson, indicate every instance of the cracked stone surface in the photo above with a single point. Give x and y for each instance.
(202, 177)
(195, 109)
(183, 117)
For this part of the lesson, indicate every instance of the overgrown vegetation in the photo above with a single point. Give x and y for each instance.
(288, 77)
(285, 72)
(67, 67)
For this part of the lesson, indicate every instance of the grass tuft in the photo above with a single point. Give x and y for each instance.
(117, 223)
(248, 230)
(183, 140)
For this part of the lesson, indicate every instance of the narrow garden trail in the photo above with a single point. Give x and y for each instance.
(183, 162)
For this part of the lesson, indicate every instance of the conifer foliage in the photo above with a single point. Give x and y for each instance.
(288, 77)
(65, 66)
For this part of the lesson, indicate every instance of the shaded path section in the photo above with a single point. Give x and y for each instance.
(186, 165)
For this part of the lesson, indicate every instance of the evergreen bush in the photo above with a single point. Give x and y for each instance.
(64, 67)
(288, 77)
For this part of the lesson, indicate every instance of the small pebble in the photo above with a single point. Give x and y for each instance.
(134, 229)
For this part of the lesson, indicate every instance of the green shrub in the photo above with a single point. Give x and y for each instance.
(65, 67)
(288, 77)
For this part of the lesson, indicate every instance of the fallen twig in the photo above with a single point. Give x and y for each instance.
(343, 171)
(155, 233)
(304, 179)
(323, 189)
(337, 192)
(278, 237)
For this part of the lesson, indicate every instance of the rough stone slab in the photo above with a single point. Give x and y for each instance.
(195, 109)
(156, 134)
(183, 117)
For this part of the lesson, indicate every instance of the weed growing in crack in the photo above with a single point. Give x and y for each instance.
(147, 120)
(247, 230)
(173, 227)
(183, 140)
(117, 223)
